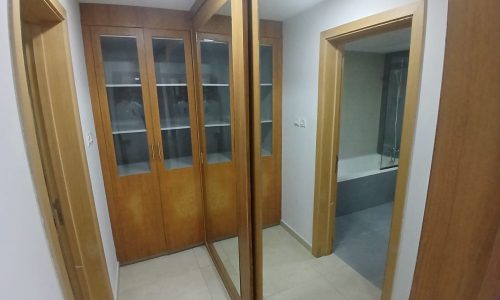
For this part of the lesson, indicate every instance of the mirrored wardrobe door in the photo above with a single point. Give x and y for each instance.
(173, 104)
(223, 114)
(126, 115)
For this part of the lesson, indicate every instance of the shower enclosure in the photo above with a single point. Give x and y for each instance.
(392, 108)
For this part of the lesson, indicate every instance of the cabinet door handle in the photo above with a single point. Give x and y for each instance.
(159, 151)
(153, 151)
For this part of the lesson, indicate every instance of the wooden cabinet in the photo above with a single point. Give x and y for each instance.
(270, 123)
(164, 114)
(147, 109)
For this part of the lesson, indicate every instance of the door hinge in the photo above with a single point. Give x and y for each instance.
(57, 212)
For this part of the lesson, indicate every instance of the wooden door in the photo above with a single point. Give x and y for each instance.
(216, 131)
(171, 84)
(135, 207)
(270, 126)
(459, 252)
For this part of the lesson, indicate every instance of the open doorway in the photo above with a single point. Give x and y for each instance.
(366, 122)
(371, 116)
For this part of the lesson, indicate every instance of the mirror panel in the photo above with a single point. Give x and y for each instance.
(217, 100)
(371, 116)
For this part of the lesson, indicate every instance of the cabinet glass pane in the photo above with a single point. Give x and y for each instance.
(266, 99)
(123, 86)
(173, 104)
(216, 96)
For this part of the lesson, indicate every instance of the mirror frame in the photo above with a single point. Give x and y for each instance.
(202, 12)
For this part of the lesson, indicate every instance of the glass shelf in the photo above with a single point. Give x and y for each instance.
(125, 103)
(133, 168)
(217, 102)
(173, 102)
(217, 125)
(220, 157)
(266, 99)
(171, 84)
(117, 85)
(215, 84)
(176, 128)
(129, 131)
(179, 162)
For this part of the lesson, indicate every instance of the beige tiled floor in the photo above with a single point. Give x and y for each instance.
(290, 272)
(187, 275)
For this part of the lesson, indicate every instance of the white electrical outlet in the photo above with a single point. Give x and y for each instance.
(90, 139)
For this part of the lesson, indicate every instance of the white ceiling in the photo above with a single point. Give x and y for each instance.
(278, 10)
(392, 41)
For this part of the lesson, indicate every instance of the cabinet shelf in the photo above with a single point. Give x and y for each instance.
(266, 121)
(178, 162)
(113, 85)
(218, 125)
(217, 158)
(175, 128)
(266, 84)
(171, 84)
(129, 131)
(215, 84)
(133, 168)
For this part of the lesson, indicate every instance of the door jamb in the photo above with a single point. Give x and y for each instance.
(51, 15)
(328, 133)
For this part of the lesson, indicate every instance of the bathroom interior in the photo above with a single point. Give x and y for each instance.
(192, 81)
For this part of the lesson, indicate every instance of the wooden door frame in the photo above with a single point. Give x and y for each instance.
(202, 11)
(328, 133)
(61, 101)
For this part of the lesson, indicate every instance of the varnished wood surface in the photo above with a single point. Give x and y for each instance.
(63, 135)
(134, 16)
(136, 198)
(180, 188)
(327, 144)
(459, 253)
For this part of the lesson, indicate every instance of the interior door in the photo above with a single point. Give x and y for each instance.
(135, 207)
(170, 69)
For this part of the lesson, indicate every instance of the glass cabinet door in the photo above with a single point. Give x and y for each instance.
(173, 102)
(125, 102)
(266, 98)
(216, 99)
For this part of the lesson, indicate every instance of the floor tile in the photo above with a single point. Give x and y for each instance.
(214, 283)
(317, 289)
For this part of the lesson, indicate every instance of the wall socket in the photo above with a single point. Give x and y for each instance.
(89, 139)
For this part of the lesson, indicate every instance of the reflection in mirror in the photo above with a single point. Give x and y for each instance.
(372, 105)
(214, 52)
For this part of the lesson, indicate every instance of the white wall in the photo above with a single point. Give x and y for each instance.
(87, 121)
(28, 260)
(361, 102)
(26, 267)
(300, 93)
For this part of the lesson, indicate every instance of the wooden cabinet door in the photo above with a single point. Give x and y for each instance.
(216, 117)
(270, 124)
(135, 207)
(171, 81)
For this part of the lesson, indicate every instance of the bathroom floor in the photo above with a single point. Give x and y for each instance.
(362, 238)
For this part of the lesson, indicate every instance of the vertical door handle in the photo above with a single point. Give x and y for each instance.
(153, 151)
(159, 150)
